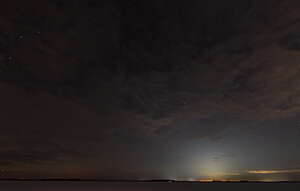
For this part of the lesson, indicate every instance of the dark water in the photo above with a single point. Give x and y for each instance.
(96, 186)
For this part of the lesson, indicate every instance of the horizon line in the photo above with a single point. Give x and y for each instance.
(150, 180)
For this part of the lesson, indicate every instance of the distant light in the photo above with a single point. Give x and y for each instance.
(274, 171)
(206, 180)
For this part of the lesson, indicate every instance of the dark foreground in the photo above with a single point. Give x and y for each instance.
(141, 186)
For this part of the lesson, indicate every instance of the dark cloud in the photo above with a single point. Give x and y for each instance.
(38, 153)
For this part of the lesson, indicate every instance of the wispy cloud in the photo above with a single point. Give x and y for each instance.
(274, 171)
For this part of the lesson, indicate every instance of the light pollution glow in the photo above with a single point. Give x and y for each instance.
(274, 171)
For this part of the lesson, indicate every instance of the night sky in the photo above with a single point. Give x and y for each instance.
(160, 89)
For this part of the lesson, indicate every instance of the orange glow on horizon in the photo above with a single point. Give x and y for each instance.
(206, 180)
(274, 171)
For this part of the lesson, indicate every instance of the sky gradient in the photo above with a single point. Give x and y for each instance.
(150, 90)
